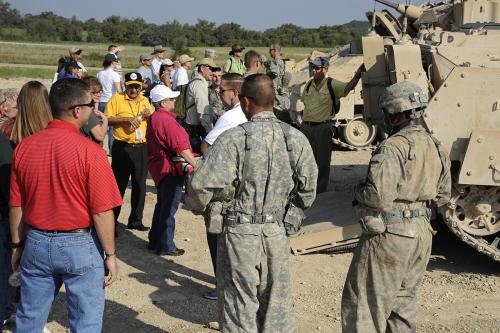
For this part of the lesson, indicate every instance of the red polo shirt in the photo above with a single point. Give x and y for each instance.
(60, 178)
(165, 139)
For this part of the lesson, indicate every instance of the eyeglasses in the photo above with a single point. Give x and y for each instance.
(96, 92)
(221, 91)
(316, 68)
(134, 86)
(91, 105)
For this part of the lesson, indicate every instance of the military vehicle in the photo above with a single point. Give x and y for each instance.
(452, 50)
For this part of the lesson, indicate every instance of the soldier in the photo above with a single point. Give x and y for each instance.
(407, 171)
(249, 175)
(275, 69)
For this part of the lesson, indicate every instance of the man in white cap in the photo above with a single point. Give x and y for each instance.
(159, 54)
(166, 139)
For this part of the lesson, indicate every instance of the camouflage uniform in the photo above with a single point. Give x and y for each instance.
(275, 69)
(406, 172)
(215, 102)
(253, 282)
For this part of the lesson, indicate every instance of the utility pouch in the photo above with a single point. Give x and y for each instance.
(292, 221)
(214, 217)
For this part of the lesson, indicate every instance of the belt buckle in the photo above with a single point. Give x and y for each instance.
(407, 213)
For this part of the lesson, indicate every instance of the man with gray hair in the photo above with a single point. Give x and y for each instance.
(275, 69)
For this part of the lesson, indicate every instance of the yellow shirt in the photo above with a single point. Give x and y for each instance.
(120, 105)
(317, 101)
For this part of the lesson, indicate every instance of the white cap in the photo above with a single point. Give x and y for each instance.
(161, 92)
(167, 62)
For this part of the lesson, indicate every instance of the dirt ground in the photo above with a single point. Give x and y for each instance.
(460, 291)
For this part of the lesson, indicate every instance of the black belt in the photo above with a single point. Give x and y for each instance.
(133, 145)
(316, 123)
(74, 231)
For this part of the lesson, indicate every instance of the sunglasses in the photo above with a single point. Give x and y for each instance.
(91, 104)
(316, 68)
(134, 86)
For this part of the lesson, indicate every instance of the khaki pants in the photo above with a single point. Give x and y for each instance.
(253, 280)
(381, 286)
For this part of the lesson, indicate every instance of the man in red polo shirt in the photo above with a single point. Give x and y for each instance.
(166, 139)
(63, 188)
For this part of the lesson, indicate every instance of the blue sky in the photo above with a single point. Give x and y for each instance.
(253, 14)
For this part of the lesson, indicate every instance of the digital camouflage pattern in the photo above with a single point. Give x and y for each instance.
(253, 279)
(387, 269)
(215, 102)
(275, 69)
(403, 96)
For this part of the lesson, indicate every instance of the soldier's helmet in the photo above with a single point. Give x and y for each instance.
(403, 96)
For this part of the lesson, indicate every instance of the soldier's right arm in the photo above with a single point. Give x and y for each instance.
(214, 174)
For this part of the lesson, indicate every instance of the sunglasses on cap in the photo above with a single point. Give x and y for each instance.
(91, 104)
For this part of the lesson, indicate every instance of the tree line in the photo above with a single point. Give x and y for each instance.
(49, 27)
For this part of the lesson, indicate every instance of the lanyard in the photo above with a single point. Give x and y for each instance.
(132, 109)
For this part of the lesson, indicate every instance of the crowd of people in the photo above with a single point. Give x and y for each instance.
(221, 137)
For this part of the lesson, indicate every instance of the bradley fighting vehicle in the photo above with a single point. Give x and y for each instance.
(451, 49)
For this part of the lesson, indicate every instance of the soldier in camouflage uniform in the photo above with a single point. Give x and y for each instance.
(407, 172)
(275, 69)
(255, 169)
(213, 95)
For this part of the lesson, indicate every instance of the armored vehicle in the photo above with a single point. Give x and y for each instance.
(451, 49)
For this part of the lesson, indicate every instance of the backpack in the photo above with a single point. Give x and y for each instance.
(329, 84)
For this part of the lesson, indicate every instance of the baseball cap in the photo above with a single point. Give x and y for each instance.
(161, 92)
(167, 62)
(185, 58)
(133, 78)
(208, 62)
(145, 56)
(320, 62)
(210, 53)
(74, 50)
(111, 57)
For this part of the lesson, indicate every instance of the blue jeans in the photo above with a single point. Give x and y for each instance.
(161, 235)
(101, 107)
(48, 261)
(7, 292)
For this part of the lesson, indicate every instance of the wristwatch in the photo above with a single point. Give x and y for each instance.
(16, 245)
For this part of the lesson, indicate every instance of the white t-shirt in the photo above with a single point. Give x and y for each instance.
(108, 77)
(228, 120)
(181, 77)
(155, 68)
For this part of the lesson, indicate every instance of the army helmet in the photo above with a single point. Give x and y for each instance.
(403, 96)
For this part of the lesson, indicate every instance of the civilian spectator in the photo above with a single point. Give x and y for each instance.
(62, 245)
(97, 126)
(60, 66)
(75, 54)
(166, 139)
(180, 82)
(235, 62)
(214, 96)
(165, 70)
(198, 110)
(146, 71)
(114, 49)
(181, 77)
(8, 110)
(33, 111)
(159, 54)
(127, 113)
(110, 82)
(230, 89)
(253, 62)
(71, 70)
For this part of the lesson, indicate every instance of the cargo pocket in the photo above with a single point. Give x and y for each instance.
(214, 218)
